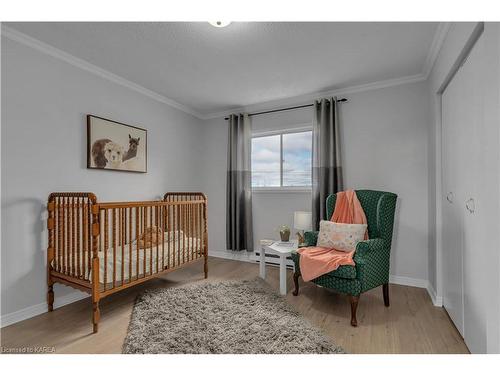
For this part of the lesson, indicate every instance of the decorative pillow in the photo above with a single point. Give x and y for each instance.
(339, 236)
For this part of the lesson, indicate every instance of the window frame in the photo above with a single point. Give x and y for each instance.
(302, 128)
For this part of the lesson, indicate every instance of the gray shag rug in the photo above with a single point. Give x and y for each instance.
(243, 317)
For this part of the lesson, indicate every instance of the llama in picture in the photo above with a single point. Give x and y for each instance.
(115, 146)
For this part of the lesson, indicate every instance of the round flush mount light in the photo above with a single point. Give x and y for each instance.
(219, 23)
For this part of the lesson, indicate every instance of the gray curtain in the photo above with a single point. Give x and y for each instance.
(326, 166)
(239, 229)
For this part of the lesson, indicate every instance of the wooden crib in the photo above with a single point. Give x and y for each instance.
(102, 248)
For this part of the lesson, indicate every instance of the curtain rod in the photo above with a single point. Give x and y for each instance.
(343, 100)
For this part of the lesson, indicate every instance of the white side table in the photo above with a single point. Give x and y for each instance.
(283, 251)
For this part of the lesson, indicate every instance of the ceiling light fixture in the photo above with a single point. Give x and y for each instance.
(219, 23)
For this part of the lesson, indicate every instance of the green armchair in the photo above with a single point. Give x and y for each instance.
(371, 256)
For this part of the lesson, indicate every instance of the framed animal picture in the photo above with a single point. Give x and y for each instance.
(116, 146)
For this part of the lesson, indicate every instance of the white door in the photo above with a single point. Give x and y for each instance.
(452, 218)
(464, 250)
(472, 174)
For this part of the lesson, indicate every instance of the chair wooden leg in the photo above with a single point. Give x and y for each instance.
(354, 306)
(385, 289)
(296, 283)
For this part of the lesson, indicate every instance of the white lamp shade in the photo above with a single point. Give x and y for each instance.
(302, 220)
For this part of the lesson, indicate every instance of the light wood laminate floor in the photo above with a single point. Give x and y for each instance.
(410, 325)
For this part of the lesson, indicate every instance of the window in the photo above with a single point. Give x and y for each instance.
(282, 160)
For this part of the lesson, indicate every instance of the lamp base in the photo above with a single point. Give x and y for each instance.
(300, 239)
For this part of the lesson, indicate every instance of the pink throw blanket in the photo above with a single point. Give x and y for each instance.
(316, 261)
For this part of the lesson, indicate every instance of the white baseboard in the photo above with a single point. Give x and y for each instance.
(30, 312)
(436, 300)
(408, 281)
(242, 256)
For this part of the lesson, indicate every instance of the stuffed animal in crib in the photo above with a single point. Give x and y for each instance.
(151, 237)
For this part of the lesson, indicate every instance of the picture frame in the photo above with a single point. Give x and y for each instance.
(112, 145)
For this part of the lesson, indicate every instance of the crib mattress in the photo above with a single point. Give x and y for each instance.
(171, 254)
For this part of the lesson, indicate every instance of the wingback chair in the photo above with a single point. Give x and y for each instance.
(371, 256)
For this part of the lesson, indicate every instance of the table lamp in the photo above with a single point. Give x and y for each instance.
(302, 221)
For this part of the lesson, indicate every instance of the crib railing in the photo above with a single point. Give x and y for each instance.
(72, 235)
(105, 247)
(147, 238)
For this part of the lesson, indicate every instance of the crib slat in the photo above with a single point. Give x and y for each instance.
(137, 242)
(64, 244)
(169, 226)
(197, 231)
(60, 243)
(183, 228)
(205, 237)
(84, 239)
(74, 210)
(89, 249)
(158, 226)
(100, 242)
(188, 221)
(193, 230)
(54, 234)
(172, 234)
(178, 235)
(105, 233)
(73, 237)
(122, 241)
(129, 209)
(143, 250)
(162, 218)
(193, 241)
(114, 245)
(151, 243)
(200, 212)
(118, 233)
(184, 217)
(65, 237)
(71, 250)
(71, 257)
(79, 250)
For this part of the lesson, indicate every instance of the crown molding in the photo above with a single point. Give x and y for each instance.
(28, 41)
(434, 49)
(301, 99)
(437, 43)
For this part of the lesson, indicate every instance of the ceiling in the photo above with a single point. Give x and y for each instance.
(212, 69)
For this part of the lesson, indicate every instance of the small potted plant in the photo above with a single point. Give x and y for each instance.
(284, 233)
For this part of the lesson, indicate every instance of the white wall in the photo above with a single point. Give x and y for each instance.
(385, 135)
(453, 46)
(385, 146)
(44, 107)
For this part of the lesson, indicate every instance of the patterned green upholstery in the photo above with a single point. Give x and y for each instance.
(371, 256)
